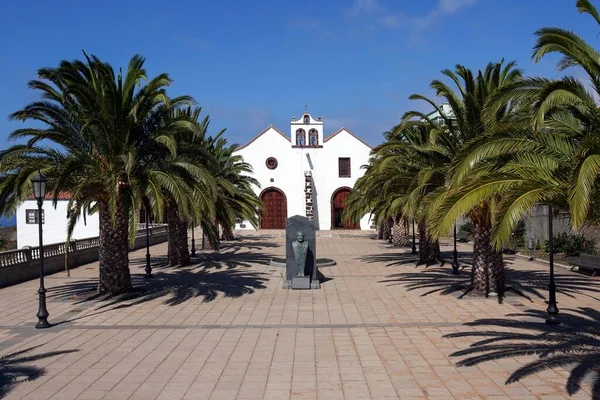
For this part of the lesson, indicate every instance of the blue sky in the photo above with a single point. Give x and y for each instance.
(250, 64)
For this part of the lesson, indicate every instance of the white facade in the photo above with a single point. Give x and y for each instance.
(446, 111)
(294, 159)
(55, 224)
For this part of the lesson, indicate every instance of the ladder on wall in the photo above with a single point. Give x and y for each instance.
(308, 195)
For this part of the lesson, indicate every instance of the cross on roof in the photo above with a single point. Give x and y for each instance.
(306, 108)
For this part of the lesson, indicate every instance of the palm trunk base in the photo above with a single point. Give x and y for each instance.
(488, 264)
(178, 251)
(380, 230)
(114, 276)
(399, 234)
(429, 249)
(387, 229)
(227, 234)
(206, 244)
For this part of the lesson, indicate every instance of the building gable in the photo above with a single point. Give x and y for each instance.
(269, 131)
(346, 133)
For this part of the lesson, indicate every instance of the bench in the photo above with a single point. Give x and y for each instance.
(462, 236)
(587, 261)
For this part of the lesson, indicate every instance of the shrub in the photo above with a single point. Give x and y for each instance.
(467, 227)
(572, 245)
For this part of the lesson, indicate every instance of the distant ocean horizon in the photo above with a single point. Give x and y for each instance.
(6, 221)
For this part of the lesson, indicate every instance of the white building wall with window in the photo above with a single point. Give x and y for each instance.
(281, 161)
(54, 223)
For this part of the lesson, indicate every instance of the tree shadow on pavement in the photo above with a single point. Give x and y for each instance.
(407, 258)
(392, 259)
(212, 274)
(212, 260)
(524, 283)
(16, 367)
(574, 344)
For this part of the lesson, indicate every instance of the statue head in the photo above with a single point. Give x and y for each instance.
(300, 237)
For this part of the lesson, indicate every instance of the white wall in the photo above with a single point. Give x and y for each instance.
(292, 162)
(326, 174)
(55, 224)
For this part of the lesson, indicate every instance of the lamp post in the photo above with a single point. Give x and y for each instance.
(414, 244)
(552, 309)
(193, 253)
(39, 192)
(455, 255)
(148, 267)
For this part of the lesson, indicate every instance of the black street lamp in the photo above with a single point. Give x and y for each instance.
(39, 192)
(552, 309)
(455, 255)
(414, 244)
(193, 253)
(148, 267)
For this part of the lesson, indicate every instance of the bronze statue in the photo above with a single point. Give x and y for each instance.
(300, 249)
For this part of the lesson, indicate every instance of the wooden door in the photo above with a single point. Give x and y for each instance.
(337, 209)
(275, 210)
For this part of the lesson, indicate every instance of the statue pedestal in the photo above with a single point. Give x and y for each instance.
(301, 282)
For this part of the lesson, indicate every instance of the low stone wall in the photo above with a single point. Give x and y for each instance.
(21, 265)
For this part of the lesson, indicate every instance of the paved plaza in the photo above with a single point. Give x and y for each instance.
(223, 328)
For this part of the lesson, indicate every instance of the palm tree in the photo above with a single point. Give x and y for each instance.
(193, 160)
(390, 177)
(566, 108)
(236, 198)
(467, 124)
(94, 125)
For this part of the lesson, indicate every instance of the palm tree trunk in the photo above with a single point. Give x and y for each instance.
(429, 249)
(380, 230)
(488, 265)
(178, 236)
(227, 234)
(114, 275)
(206, 245)
(387, 229)
(399, 233)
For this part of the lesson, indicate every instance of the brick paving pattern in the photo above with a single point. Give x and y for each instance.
(224, 329)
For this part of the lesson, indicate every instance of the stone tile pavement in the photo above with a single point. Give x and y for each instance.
(224, 329)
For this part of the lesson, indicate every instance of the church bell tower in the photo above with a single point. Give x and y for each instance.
(307, 131)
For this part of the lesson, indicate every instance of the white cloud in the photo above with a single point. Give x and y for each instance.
(442, 9)
(363, 6)
(417, 24)
(451, 6)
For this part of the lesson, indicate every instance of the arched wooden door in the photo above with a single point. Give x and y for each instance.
(275, 209)
(337, 209)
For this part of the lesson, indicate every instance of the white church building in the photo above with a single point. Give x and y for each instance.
(306, 174)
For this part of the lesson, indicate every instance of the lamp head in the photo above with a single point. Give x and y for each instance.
(39, 186)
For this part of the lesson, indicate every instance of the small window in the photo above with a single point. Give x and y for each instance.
(31, 217)
(344, 167)
(306, 119)
(300, 137)
(271, 163)
(313, 137)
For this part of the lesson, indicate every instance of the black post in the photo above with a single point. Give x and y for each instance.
(552, 309)
(414, 244)
(193, 253)
(455, 256)
(42, 311)
(148, 267)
